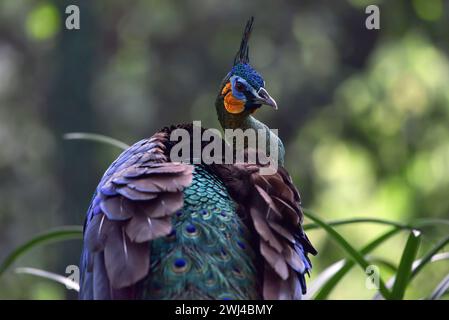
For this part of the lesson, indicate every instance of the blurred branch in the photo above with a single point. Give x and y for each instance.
(57, 234)
(96, 137)
(70, 284)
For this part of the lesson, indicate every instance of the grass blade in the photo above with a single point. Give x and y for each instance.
(435, 258)
(426, 222)
(96, 137)
(70, 284)
(327, 288)
(323, 279)
(404, 272)
(57, 234)
(441, 289)
(350, 250)
(429, 256)
(421, 223)
(380, 261)
(310, 226)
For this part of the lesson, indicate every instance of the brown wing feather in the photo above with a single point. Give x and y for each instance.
(277, 191)
(273, 202)
(134, 203)
(126, 262)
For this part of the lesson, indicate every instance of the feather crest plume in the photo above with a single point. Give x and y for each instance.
(242, 55)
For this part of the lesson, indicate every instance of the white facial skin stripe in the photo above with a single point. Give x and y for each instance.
(240, 95)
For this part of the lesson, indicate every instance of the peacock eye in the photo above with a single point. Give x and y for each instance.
(239, 86)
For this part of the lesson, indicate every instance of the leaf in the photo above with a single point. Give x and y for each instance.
(350, 250)
(43, 22)
(425, 222)
(70, 284)
(310, 226)
(96, 137)
(324, 278)
(434, 258)
(420, 223)
(404, 272)
(381, 261)
(440, 289)
(429, 256)
(332, 281)
(57, 234)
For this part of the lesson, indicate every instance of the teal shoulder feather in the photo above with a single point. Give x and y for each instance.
(208, 255)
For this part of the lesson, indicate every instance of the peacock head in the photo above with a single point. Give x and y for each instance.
(243, 89)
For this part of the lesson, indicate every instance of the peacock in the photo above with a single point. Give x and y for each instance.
(163, 229)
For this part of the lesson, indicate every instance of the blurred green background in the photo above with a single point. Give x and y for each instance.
(363, 113)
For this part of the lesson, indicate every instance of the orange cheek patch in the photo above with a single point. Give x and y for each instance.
(226, 88)
(232, 104)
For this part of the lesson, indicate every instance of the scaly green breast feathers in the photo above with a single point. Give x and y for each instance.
(208, 255)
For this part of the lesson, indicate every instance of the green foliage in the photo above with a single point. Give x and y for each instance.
(43, 22)
(429, 10)
(336, 276)
(53, 235)
(349, 249)
(49, 275)
(405, 266)
(441, 289)
(96, 137)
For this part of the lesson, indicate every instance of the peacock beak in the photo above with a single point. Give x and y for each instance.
(264, 98)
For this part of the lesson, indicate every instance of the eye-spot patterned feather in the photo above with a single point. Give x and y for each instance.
(203, 240)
